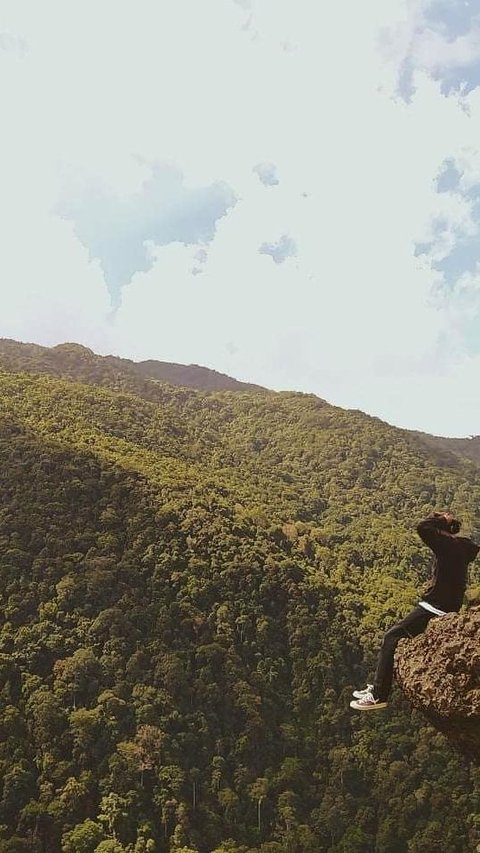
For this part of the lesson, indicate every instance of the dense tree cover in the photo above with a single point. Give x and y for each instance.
(190, 587)
(147, 379)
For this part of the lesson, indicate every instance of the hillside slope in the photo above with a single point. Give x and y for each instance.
(77, 362)
(191, 584)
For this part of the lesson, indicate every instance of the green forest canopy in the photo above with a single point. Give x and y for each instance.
(192, 581)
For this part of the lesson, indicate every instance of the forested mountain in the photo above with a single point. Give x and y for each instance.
(74, 361)
(469, 447)
(191, 584)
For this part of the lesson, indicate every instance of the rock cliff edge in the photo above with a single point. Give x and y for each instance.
(439, 672)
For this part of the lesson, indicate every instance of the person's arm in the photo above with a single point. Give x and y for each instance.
(434, 532)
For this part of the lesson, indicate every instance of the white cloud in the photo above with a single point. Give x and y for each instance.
(116, 229)
(267, 174)
(216, 90)
(441, 37)
(285, 247)
(434, 50)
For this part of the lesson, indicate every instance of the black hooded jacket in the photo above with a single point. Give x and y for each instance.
(453, 553)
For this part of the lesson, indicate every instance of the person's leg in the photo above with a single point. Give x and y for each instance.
(413, 624)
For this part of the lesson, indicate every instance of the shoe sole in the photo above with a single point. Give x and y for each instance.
(377, 707)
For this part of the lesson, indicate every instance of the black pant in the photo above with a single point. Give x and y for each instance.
(413, 624)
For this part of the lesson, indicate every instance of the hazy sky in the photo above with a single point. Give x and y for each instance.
(287, 191)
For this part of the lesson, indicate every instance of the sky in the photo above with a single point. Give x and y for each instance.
(285, 191)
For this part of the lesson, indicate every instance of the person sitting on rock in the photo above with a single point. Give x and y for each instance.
(445, 594)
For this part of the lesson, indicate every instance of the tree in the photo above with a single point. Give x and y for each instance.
(83, 838)
(110, 845)
(258, 790)
(18, 789)
(77, 676)
(113, 812)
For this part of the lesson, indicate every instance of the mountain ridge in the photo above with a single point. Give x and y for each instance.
(76, 361)
(68, 357)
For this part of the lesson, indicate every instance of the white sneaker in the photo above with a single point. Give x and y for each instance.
(360, 693)
(368, 703)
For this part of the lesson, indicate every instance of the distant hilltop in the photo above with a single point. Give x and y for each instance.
(71, 359)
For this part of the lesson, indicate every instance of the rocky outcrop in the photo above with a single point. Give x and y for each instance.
(439, 672)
